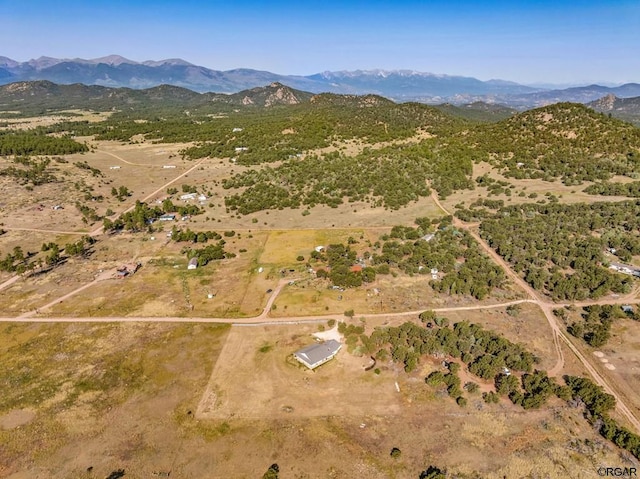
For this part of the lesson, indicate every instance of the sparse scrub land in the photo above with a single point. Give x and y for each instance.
(32, 172)
(390, 182)
(563, 141)
(89, 215)
(598, 404)
(391, 177)
(83, 165)
(490, 356)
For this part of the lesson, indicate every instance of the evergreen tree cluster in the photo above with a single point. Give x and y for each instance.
(190, 209)
(209, 253)
(485, 352)
(194, 237)
(340, 260)
(559, 249)
(139, 219)
(598, 404)
(564, 141)
(14, 261)
(37, 142)
(595, 324)
(80, 247)
(451, 251)
(607, 188)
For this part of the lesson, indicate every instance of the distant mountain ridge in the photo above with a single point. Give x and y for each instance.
(624, 108)
(43, 95)
(399, 85)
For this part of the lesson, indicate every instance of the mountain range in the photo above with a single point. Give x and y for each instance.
(399, 85)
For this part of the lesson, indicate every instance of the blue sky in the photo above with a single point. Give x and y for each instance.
(562, 42)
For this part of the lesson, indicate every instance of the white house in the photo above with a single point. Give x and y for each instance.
(193, 263)
(316, 354)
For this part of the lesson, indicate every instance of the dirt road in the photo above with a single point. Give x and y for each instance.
(556, 328)
(9, 282)
(265, 316)
(100, 229)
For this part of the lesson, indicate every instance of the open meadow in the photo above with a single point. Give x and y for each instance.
(86, 400)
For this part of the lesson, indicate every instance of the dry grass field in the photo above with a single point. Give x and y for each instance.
(69, 115)
(87, 400)
(164, 287)
(617, 360)
(256, 377)
(565, 194)
(384, 295)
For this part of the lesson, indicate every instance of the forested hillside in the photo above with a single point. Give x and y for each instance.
(564, 141)
(559, 249)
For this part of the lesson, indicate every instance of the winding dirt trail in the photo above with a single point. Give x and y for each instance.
(119, 158)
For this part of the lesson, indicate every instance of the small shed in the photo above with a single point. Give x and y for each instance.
(316, 354)
(193, 263)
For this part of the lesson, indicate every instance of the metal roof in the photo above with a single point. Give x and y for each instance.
(318, 353)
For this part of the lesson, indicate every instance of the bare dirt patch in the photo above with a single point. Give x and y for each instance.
(622, 352)
(16, 418)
